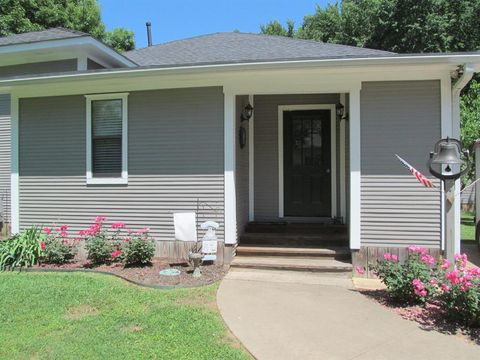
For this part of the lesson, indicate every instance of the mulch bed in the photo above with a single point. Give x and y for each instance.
(149, 275)
(430, 317)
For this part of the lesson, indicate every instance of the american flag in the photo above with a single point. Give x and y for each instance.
(420, 177)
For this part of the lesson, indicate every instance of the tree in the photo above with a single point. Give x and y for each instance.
(19, 16)
(276, 28)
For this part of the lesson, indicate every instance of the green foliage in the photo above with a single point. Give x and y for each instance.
(120, 39)
(276, 28)
(398, 278)
(21, 250)
(58, 251)
(138, 251)
(19, 16)
(100, 249)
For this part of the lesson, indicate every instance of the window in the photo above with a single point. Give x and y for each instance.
(107, 139)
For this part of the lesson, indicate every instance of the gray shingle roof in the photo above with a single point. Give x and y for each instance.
(44, 35)
(241, 47)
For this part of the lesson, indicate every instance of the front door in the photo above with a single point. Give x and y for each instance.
(307, 163)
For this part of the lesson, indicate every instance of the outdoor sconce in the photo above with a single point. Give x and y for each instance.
(340, 111)
(247, 112)
(445, 161)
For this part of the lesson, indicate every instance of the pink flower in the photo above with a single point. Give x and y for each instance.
(43, 246)
(360, 270)
(143, 231)
(475, 271)
(461, 260)
(445, 287)
(387, 256)
(116, 253)
(427, 259)
(100, 219)
(416, 250)
(394, 258)
(433, 281)
(66, 242)
(419, 288)
(445, 264)
(118, 225)
(453, 276)
(47, 230)
(63, 234)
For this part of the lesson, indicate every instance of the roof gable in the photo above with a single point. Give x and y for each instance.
(242, 47)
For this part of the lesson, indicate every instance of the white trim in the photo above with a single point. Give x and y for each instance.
(342, 170)
(229, 169)
(53, 45)
(355, 170)
(123, 179)
(407, 60)
(446, 130)
(333, 149)
(251, 162)
(14, 173)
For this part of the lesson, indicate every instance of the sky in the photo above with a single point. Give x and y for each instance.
(178, 19)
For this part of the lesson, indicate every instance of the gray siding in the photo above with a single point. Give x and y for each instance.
(241, 165)
(38, 68)
(175, 158)
(398, 118)
(266, 147)
(5, 136)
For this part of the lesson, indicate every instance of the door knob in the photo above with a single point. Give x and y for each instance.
(328, 171)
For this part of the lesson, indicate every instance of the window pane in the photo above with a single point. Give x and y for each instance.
(107, 138)
(107, 118)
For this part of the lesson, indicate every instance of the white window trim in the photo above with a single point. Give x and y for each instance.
(123, 179)
(333, 166)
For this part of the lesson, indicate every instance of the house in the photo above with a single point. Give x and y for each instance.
(170, 128)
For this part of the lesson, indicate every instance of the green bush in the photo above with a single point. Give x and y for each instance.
(22, 250)
(100, 249)
(58, 251)
(138, 251)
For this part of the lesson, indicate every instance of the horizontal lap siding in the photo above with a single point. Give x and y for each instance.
(175, 162)
(399, 118)
(5, 136)
(38, 68)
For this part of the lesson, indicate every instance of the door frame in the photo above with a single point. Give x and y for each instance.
(333, 167)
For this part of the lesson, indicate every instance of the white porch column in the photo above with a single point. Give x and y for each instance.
(229, 176)
(355, 169)
(14, 178)
(251, 162)
(476, 148)
(343, 198)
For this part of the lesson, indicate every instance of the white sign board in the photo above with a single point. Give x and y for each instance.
(185, 226)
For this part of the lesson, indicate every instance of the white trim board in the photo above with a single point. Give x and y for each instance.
(333, 167)
(123, 179)
(230, 201)
(251, 162)
(14, 174)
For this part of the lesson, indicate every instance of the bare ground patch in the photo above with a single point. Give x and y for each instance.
(80, 311)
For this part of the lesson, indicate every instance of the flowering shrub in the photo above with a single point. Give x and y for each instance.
(409, 282)
(117, 244)
(139, 250)
(57, 247)
(453, 287)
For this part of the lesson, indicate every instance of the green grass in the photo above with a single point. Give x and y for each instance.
(94, 316)
(468, 226)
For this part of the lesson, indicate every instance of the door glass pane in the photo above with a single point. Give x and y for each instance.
(307, 142)
(317, 143)
(297, 143)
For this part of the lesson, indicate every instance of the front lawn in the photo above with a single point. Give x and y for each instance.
(93, 316)
(468, 225)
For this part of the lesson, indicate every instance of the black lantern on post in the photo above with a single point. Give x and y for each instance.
(445, 163)
(247, 112)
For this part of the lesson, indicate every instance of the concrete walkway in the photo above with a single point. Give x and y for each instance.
(288, 315)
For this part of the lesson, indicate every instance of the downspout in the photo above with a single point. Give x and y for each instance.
(467, 71)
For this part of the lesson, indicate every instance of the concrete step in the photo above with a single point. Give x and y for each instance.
(313, 264)
(294, 239)
(339, 253)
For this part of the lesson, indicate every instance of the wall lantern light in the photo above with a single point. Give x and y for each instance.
(340, 110)
(247, 112)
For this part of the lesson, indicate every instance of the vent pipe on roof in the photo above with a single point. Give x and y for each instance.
(149, 33)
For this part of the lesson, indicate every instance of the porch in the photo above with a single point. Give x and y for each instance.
(291, 181)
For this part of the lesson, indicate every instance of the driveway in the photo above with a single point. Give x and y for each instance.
(279, 315)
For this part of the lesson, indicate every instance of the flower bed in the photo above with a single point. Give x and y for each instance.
(452, 290)
(111, 248)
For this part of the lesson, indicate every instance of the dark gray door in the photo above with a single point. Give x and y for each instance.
(307, 163)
